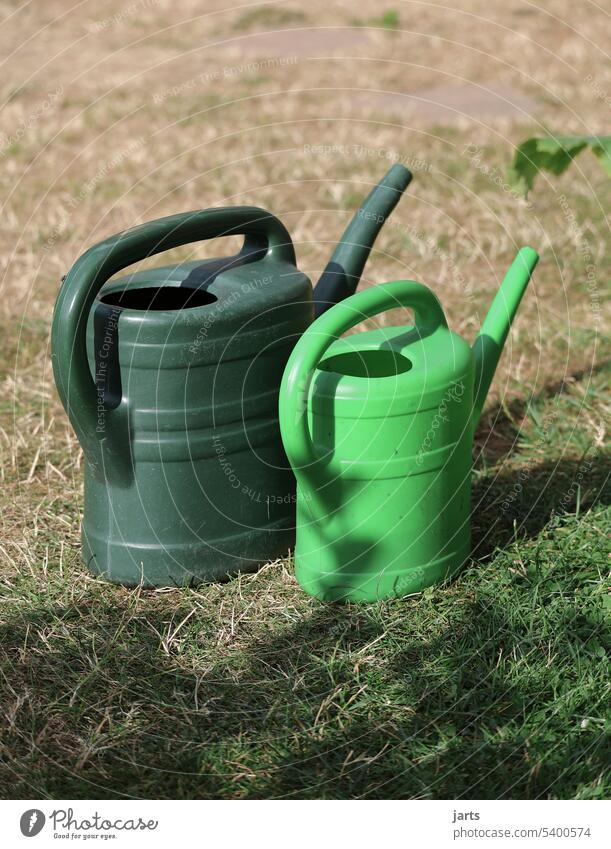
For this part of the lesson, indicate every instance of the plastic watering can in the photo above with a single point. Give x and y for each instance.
(170, 378)
(378, 427)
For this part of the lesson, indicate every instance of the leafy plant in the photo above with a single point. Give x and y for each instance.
(390, 19)
(554, 154)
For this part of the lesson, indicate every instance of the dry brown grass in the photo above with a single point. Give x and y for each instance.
(95, 141)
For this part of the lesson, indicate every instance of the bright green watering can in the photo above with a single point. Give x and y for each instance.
(378, 427)
(170, 377)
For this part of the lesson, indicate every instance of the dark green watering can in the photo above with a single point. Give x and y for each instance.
(379, 428)
(170, 378)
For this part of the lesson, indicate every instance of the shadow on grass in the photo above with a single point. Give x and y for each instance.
(515, 504)
(493, 686)
(490, 687)
(484, 706)
(499, 429)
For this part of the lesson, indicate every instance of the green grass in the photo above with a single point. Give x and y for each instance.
(269, 17)
(389, 19)
(493, 686)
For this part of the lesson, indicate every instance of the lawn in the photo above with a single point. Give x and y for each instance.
(494, 686)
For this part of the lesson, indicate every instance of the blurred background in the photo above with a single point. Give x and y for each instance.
(118, 112)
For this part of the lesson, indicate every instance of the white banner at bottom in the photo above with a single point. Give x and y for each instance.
(295, 824)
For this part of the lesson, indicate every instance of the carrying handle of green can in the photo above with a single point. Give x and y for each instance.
(263, 233)
(311, 348)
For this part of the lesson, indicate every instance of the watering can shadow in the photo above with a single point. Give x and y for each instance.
(170, 378)
(379, 427)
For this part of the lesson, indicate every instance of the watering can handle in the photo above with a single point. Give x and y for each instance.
(310, 349)
(76, 387)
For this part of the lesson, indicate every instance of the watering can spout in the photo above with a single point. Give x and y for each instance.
(341, 275)
(490, 340)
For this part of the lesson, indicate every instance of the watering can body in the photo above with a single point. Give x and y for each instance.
(170, 377)
(378, 427)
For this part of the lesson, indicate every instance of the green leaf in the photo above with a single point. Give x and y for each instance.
(554, 154)
(603, 152)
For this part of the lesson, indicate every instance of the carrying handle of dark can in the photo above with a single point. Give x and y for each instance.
(106, 448)
(311, 348)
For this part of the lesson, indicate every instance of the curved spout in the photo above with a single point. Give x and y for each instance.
(489, 343)
(341, 276)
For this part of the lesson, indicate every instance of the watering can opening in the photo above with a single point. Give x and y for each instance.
(164, 298)
(367, 363)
